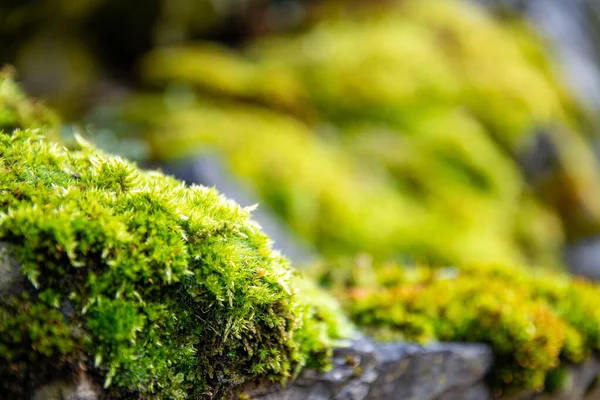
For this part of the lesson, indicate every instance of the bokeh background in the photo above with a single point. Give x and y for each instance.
(422, 132)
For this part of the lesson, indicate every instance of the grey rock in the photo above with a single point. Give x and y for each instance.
(593, 394)
(581, 377)
(427, 373)
(83, 389)
(583, 258)
(479, 391)
(366, 370)
(11, 278)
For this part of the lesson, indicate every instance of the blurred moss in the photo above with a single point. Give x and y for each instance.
(536, 323)
(19, 112)
(400, 132)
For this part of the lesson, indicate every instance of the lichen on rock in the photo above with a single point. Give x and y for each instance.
(153, 288)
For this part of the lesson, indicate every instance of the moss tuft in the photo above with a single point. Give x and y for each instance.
(160, 290)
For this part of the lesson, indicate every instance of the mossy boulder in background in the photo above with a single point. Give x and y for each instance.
(396, 131)
(145, 286)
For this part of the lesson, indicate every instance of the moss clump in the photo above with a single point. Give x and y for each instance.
(157, 289)
(533, 322)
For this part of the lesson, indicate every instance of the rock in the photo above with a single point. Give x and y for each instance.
(11, 279)
(365, 370)
(580, 378)
(583, 258)
(427, 373)
(479, 391)
(83, 389)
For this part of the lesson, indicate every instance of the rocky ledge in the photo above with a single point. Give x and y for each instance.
(366, 370)
(445, 371)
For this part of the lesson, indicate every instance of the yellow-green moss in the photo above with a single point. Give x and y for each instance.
(19, 112)
(157, 289)
(533, 322)
(389, 132)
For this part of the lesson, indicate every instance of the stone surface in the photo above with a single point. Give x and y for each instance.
(479, 391)
(11, 279)
(583, 258)
(83, 389)
(365, 370)
(578, 385)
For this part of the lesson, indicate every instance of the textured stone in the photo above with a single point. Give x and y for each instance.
(83, 389)
(583, 257)
(365, 370)
(11, 279)
(479, 391)
(427, 373)
(580, 378)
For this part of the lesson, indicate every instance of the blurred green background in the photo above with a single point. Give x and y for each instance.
(435, 132)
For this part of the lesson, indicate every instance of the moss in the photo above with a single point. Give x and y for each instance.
(158, 289)
(387, 132)
(19, 112)
(535, 323)
(400, 133)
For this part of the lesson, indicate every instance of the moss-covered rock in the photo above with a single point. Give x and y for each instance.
(156, 289)
(535, 322)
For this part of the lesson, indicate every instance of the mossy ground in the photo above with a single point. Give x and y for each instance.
(157, 289)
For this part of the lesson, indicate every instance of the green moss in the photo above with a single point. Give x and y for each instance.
(387, 132)
(18, 112)
(533, 322)
(160, 290)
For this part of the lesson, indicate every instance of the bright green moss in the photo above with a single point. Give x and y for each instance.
(532, 322)
(162, 290)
